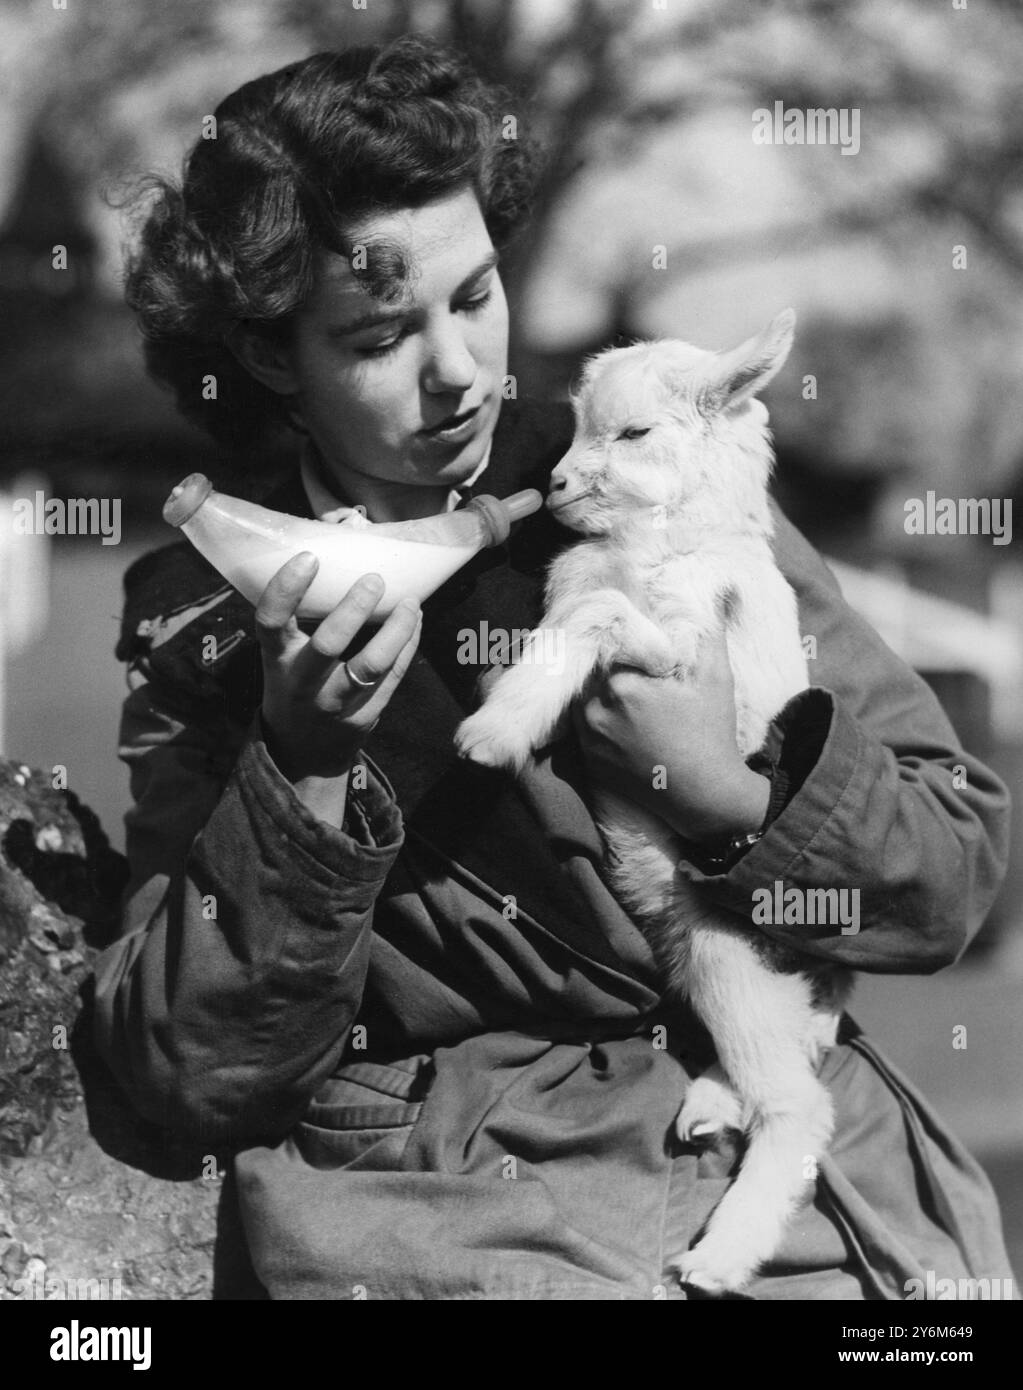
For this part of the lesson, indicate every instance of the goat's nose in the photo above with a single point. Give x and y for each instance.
(557, 483)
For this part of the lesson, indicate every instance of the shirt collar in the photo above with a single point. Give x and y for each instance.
(326, 500)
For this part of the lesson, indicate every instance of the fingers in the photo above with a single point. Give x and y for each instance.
(378, 698)
(382, 652)
(619, 686)
(714, 665)
(591, 717)
(276, 625)
(337, 630)
(401, 663)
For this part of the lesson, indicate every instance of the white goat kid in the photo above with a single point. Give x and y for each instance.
(666, 480)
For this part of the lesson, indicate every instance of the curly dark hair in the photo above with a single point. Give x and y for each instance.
(298, 154)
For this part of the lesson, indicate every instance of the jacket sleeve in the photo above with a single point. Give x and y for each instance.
(246, 926)
(886, 800)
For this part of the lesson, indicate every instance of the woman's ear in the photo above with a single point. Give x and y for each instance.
(265, 356)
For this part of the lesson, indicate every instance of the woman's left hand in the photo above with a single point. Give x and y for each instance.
(670, 746)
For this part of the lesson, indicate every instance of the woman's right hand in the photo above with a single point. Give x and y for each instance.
(314, 715)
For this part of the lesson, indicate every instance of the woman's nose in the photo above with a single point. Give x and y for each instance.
(450, 366)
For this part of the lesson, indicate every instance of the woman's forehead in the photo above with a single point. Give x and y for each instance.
(439, 244)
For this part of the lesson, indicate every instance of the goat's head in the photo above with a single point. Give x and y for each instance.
(660, 422)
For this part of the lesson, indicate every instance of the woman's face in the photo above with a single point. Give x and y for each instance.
(373, 379)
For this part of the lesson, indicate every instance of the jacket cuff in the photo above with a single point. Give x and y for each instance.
(817, 746)
(367, 845)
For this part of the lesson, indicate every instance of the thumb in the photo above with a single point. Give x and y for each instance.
(714, 659)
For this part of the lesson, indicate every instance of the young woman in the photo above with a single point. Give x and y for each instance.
(393, 984)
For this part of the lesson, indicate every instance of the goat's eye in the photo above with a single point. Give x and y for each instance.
(634, 434)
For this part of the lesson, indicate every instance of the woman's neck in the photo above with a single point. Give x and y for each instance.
(390, 501)
(382, 500)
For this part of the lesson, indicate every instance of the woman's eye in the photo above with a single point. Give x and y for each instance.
(634, 434)
(380, 349)
(473, 306)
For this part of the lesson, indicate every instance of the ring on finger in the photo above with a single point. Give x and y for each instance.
(355, 680)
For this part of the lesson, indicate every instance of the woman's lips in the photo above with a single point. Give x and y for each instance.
(455, 428)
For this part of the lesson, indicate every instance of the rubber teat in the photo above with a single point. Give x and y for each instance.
(186, 498)
(500, 513)
(481, 522)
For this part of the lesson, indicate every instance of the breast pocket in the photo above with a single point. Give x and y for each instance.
(363, 1117)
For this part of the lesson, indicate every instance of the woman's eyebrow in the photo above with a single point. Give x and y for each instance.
(373, 318)
(488, 263)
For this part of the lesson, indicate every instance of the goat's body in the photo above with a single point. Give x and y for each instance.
(646, 593)
(768, 1027)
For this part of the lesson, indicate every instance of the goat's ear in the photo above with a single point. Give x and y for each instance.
(733, 377)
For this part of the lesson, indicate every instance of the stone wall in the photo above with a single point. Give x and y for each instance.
(94, 1202)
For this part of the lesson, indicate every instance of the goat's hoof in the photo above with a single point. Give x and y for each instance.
(709, 1109)
(480, 742)
(482, 753)
(711, 1274)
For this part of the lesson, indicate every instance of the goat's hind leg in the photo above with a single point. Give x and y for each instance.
(762, 1023)
(711, 1106)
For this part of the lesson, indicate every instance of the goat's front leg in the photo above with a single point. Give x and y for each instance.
(526, 703)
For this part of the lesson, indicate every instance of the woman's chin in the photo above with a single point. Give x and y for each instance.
(453, 464)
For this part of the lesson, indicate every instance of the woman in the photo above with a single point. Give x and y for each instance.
(393, 984)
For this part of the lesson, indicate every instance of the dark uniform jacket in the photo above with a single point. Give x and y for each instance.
(433, 1040)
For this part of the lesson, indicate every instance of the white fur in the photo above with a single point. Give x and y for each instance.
(676, 541)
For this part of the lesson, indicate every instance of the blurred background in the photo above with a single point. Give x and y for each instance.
(657, 215)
